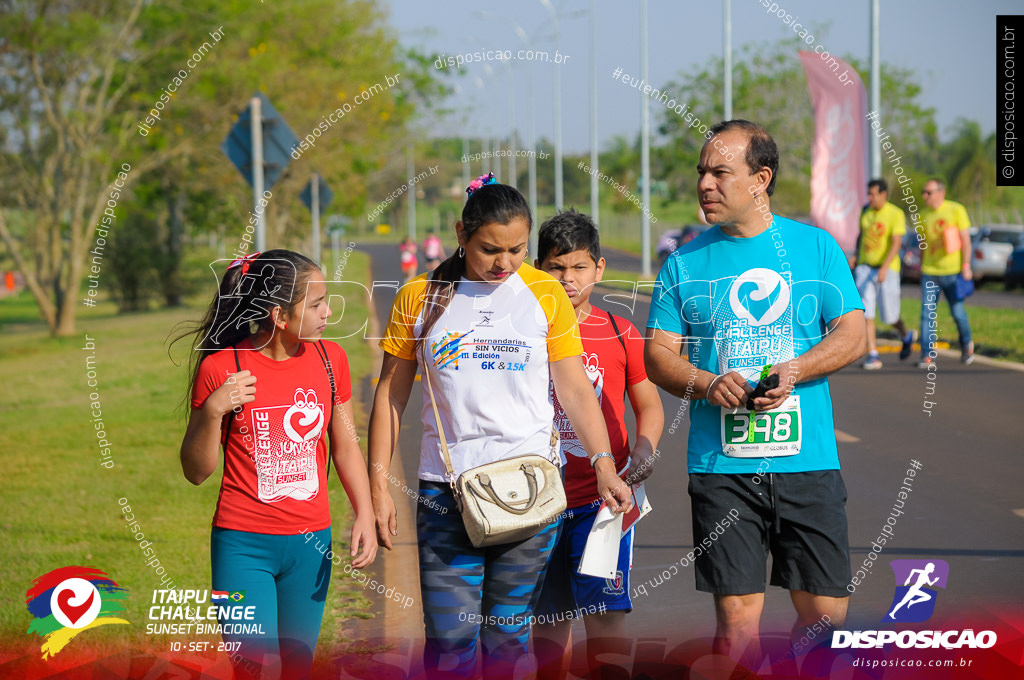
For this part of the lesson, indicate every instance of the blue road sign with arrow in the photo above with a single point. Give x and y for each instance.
(324, 196)
(278, 140)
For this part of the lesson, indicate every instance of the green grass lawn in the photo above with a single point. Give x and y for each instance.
(61, 507)
(997, 333)
(623, 280)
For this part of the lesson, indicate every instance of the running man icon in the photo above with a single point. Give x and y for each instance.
(917, 583)
(915, 595)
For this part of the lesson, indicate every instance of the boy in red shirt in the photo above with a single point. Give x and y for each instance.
(570, 251)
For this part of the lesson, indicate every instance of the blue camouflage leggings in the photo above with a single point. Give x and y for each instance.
(471, 594)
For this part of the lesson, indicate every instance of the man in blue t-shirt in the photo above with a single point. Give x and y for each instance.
(758, 295)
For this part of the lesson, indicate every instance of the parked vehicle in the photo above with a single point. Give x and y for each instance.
(992, 244)
(674, 238)
(910, 258)
(1014, 268)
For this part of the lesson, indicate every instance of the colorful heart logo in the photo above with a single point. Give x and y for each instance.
(75, 603)
(758, 307)
(73, 612)
(304, 419)
(760, 296)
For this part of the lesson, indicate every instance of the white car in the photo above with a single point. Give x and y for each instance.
(992, 244)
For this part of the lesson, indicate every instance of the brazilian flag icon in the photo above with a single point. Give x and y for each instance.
(237, 595)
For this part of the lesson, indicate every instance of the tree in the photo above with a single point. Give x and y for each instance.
(769, 87)
(89, 87)
(67, 71)
(969, 168)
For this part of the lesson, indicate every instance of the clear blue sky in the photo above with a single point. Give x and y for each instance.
(950, 44)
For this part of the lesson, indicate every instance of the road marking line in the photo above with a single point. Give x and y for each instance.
(895, 349)
(845, 437)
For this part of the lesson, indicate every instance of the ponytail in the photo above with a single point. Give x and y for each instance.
(277, 278)
(440, 287)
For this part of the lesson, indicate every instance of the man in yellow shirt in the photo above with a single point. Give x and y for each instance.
(946, 253)
(877, 274)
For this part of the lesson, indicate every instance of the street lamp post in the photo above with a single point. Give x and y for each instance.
(645, 151)
(558, 108)
(874, 146)
(727, 58)
(531, 133)
(513, 172)
(594, 187)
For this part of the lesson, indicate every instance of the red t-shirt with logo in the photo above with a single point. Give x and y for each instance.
(275, 463)
(611, 368)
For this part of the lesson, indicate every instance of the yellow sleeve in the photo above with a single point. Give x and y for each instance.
(865, 220)
(399, 335)
(563, 331)
(899, 221)
(962, 221)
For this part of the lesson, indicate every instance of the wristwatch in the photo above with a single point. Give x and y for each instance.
(603, 454)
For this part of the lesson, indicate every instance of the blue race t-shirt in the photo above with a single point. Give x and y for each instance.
(743, 303)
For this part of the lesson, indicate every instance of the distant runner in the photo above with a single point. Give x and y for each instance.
(432, 250)
(407, 258)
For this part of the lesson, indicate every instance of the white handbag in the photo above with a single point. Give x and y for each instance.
(507, 500)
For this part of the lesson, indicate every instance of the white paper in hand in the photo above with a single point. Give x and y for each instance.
(641, 507)
(601, 554)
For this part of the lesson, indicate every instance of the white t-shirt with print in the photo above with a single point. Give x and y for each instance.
(488, 358)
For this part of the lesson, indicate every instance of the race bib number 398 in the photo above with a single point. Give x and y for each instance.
(760, 434)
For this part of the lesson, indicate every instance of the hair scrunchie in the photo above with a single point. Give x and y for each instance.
(482, 180)
(244, 262)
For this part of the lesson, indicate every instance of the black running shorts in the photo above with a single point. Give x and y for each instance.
(797, 517)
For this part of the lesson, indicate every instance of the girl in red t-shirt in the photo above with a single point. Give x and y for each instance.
(266, 388)
(407, 258)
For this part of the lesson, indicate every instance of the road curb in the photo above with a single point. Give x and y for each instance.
(399, 623)
(391, 622)
(955, 354)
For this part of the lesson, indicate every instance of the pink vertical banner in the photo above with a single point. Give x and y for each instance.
(838, 167)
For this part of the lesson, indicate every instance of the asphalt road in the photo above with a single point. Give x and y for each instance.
(965, 507)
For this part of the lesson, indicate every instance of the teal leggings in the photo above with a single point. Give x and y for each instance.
(284, 580)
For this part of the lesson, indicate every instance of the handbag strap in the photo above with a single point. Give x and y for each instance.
(440, 428)
(625, 352)
(322, 351)
(231, 415)
(618, 335)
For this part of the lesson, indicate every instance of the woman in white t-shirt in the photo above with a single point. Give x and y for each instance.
(492, 332)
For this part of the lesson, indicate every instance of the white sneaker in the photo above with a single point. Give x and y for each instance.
(873, 363)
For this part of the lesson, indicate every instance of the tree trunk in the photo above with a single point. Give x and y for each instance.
(65, 318)
(170, 277)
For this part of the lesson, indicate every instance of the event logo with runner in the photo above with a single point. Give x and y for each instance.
(67, 601)
(914, 600)
(447, 350)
